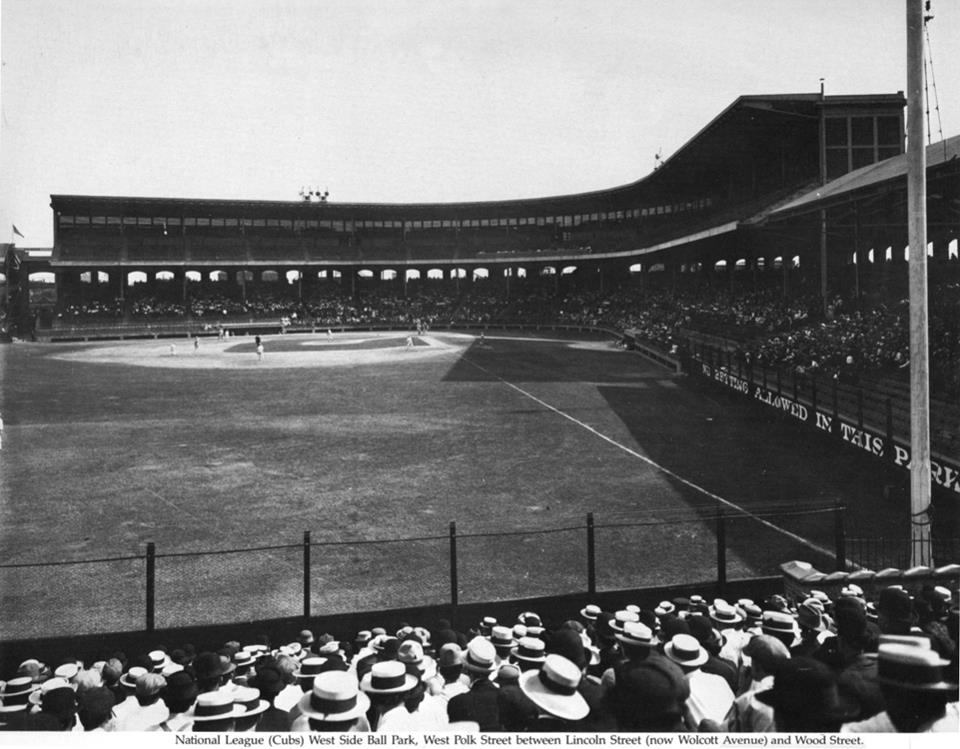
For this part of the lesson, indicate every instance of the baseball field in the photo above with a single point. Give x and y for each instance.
(374, 444)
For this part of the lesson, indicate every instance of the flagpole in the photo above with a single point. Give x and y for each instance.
(921, 552)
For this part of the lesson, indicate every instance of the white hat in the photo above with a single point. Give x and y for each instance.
(387, 677)
(216, 705)
(685, 650)
(249, 699)
(553, 688)
(335, 697)
(481, 656)
(50, 685)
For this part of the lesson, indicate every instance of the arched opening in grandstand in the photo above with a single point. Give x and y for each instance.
(244, 276)
(657, 268)
(458, 273)
(269, 276)
(135, 277)
(480, 273)
(435, 274)
(720, 265)
(796, 261)
(88, 277)
(218, 276)
(888, 254)
(952, 253)
(568, 270)
(636, 268)
(293, 276)
(164, 275)
(741, 264)
(194, 276)
(760, 263)
(388, 275)
(3, 277)
(42, 277)
(548, 270)
(365, 273)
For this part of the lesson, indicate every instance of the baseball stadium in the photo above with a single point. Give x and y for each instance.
(237, 420)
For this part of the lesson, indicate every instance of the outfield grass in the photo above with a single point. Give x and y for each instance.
(367, 444)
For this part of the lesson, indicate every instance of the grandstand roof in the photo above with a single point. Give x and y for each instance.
(749, 131)
(884, 173)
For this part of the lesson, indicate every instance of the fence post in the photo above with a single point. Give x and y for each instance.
(721, 549)
(591, 557)
(306, 575)
(151, 585)
(453, 563)
(840, 537)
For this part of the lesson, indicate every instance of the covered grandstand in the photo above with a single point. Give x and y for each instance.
(698, 209)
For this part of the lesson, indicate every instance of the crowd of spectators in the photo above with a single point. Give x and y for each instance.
(793, 333)
(844, 664)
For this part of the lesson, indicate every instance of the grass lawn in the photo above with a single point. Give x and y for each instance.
(368, 444)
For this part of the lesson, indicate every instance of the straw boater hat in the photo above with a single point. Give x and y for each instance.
(519, 630)
(636, 633)
(590, 612)
(129, 679)
(664, 607)
(685, 650)
(530, 650)
(217, 705)
(778, 623)
(553, 688)
(486, 624)
(309, 668)
(243, 658)
(387, 677)
(249, 699)
(50, 685)
(621, 617)
(502, 639)
(159, 659)
(724, 615)
(14, 696)
(480, 657)
(335, 697)
(67, 671)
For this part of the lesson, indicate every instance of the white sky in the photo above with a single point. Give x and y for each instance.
(406, 100)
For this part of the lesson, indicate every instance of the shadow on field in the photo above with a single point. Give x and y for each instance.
(533, 361)
(765, 464)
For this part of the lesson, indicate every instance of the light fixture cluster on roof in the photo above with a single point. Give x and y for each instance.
(311, 195)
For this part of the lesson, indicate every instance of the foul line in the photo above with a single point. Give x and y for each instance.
(799, 539)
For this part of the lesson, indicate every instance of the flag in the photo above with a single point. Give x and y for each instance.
(16, 231)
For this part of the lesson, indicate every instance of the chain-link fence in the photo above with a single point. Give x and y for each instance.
(164, 588)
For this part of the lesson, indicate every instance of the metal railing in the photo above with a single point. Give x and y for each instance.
(160, 589)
